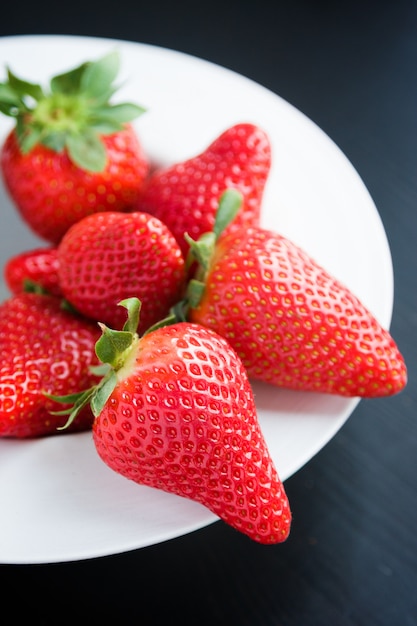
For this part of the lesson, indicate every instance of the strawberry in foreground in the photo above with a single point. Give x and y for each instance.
(107, 257)
(185, 195)
(43, 349)
(291, 322)
(176, 412)
(71, 152)
(37, 268)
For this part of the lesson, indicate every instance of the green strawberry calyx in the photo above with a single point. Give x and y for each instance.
(115, 350)
(200, 255)
(202, 250)
(73, 114)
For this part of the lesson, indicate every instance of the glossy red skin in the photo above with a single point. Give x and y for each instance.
(39, 266)
(183, 419)
(108, 257)
(186, 195)
(42, 349)
(292, 323)
(51, 193)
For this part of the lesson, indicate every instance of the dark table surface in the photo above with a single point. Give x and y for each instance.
(351, 558)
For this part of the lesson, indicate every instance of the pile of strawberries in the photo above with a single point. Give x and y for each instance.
(158, 297)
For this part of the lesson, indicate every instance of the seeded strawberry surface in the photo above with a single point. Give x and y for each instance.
(42, 349)
(185, 196)
(182, 419)
(52, 193)
(108, 257)
(39, 266)
(72, 151)
(292, 323)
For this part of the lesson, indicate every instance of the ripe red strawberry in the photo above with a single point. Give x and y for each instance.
(107, 257)
(185, 195)
(43, 349)
(71, 153)
(176, 412)
(38, 267)
(291, 322)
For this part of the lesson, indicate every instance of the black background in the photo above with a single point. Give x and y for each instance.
(351, 557)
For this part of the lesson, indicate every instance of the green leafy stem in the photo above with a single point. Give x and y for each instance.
(73, 114)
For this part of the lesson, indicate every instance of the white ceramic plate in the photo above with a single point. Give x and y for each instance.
(59, 502)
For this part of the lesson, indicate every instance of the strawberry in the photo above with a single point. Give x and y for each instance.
(176, 412)
(108, 256)
(43, 349)
(291, 322)
(37, 268)
(71, 152)
(185, 195)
